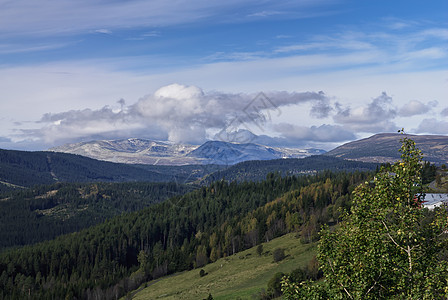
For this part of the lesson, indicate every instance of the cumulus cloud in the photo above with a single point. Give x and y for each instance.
(175, 112)
(323, 133)
(91, 124)
(444, 112)
(185, 112)
(376, 116)
(321, 109)
(416, 107)
(432, 126)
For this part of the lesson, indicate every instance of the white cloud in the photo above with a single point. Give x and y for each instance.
(433, 126)
(416, 107)
(264, 13)
(444, 112)
(103, 31)
(175, 112)
(377, 116)
(323, 133)
(16, 48)
(48, 17)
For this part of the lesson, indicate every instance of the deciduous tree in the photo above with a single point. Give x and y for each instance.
(388, 246)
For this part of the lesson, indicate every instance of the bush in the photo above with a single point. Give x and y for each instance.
(275, 285)
(298, 275)
(279, 254)
(202, 273)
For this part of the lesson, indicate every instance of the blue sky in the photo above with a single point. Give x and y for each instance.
(185, 70)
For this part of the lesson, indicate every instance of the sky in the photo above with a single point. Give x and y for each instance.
(304, 73)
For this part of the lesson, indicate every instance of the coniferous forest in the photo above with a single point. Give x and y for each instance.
(181, 233)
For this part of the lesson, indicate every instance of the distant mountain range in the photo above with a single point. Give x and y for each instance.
(163, 162)
(141, 151)
(382, 148)
(379, 148)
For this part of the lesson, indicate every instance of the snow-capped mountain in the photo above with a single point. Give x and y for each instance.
(132, 151)
(141, 151)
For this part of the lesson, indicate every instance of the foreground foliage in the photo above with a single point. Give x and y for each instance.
(388, 247)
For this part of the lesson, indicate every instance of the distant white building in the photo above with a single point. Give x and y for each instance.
(433, 200)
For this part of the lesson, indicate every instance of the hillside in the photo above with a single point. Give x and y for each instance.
(258, 170)
(239, 276)
(180, 234)
(45, 212)
(25, 169)
(382, 148)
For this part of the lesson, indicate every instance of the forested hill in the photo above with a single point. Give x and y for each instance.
(25, 169)
(44, 212)
(178, 234)
(257, 170)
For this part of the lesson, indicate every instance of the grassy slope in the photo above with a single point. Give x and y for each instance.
(235, 277)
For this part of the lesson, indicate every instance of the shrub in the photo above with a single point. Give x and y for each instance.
(202, 273)
(278, 254)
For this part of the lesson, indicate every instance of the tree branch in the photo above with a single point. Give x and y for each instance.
(331, 266)
(391, 238)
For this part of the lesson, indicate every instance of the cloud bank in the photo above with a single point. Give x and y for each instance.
(178, 113)
(376, 116)
(187, 114)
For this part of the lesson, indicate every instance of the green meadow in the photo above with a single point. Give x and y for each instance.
(238, 276)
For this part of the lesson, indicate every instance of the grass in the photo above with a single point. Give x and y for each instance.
(235, 277)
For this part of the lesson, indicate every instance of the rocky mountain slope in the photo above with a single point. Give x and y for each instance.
(384, 147)
(140, 151)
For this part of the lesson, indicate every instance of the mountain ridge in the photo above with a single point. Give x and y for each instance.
(142, 151)
(383, 148)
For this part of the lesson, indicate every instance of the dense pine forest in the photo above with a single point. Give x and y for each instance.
(257, 170)
(181, 233)
(44, 212)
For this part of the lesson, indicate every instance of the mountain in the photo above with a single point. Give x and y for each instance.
(44, 212)
(258, 170)
(382, 148)
(140, 151)
(229, 153)
(25, 169)
(132, 151)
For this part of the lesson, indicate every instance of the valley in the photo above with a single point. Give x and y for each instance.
(76, 227)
